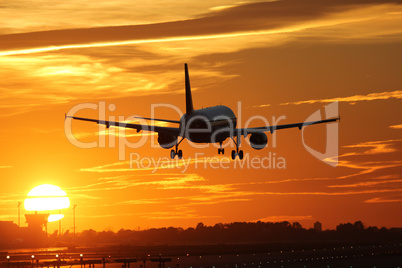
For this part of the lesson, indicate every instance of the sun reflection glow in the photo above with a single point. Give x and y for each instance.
(55, 217)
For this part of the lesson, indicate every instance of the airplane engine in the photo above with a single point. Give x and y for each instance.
(167, 141)
(258, 140)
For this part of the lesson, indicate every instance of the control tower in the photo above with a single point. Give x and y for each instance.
(36, 222)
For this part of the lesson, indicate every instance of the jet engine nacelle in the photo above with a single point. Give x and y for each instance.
(258, 140)
(167, 141)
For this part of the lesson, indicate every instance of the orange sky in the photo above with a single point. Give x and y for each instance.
(279, 58)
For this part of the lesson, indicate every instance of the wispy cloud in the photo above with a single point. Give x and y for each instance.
(286, 218)
(396, 126)
(140, 202)
(353, 99)
(377, 168)
(241, 18)
(6, 167)
(82, 58)
(153, 164)
(163, 182)
(376, 147)
(108, 215)
(262, 105)
(175, 214)
(212, 193)
(367, 183)
(113, 167)
(391, 199)
(6, 217)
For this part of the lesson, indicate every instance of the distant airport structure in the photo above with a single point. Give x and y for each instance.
(318, 226)
(36, 222)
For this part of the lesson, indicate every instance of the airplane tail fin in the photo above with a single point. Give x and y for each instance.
(189, 99)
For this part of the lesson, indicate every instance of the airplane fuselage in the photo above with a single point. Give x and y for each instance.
(208, 125)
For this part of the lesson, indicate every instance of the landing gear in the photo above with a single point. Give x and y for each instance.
(237, 152)
(179, 153)
(221, 150)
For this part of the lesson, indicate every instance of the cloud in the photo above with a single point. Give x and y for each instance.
(158, 164)
(117, 61)
(377, 147)
(181, 213)
(378, 168)
(36, 83)
(360, 160)
(140, 202)
(396, 126)
(365, 176)
(262, 105)
(185, 185)
(113, 167)
(353, 99)
(84, 196)
(48, 15)
(117, 215)
(286, 218)
(159, 181)
(390, 199)
(7, 217)
(367, 183)
(247, 19)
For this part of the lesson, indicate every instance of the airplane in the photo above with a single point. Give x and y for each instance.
(208, 125)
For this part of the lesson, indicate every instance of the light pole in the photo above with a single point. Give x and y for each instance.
(19, 214)
(60, 224)
(74, 217)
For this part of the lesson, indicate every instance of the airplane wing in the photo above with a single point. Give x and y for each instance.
(160, 120)
(246, 131)
(165, 130)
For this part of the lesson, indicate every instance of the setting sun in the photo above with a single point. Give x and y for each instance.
(46, 197)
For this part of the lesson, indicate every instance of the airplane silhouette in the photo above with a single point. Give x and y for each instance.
(209, 125)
